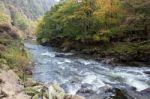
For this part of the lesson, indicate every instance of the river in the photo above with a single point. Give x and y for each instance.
(72, 72)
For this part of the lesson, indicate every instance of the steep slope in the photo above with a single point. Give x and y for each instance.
(23, 13)
(31, 8)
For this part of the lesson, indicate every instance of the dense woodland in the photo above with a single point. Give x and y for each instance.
(105, 28)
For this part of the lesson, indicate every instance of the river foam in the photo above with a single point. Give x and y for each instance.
(74, 72)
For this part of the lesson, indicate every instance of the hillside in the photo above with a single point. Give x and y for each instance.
(23, 13)
(117, 29)
(85, 49)
(16, 21)
(31, 8)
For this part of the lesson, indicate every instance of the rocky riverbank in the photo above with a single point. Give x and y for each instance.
(12, 87)
(134, 54)
(86, 77)
(13, 61)
(16, 71)
(122, 35)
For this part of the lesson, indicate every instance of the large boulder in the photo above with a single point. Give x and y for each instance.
(11, 87)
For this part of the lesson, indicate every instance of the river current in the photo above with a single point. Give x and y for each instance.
(72, 72)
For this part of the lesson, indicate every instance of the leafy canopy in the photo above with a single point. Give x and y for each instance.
(84, 20)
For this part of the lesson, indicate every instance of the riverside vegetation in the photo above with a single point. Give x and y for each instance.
(13, 60)
(118, 29)
(17, 21)
(12, 53)
(103, 28)
(15, 65)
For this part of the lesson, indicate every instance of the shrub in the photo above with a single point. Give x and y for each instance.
(4, 18)
(84, 21)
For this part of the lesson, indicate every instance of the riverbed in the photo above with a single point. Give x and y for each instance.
(73, 72)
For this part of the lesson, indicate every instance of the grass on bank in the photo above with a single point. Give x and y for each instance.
(13, 56)
(12, 52)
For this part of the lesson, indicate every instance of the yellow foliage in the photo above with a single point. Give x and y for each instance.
(4, 18)
(38, 25)
(107, 6)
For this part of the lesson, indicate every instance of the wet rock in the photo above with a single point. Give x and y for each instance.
(128, 94)
(72, 51)
(120, 94)
(86, 90)
(102, 93)
(65, 87)
(28, 71)
(63, 54)
(59, 55)
(147, 72)
(108, 61)
(70, 88)
(66, 49)
(86, 85)
(74, 80)
(146, 91)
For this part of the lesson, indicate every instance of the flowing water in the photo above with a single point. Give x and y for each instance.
(72, 72)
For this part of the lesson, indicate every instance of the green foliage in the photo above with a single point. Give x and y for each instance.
(13, 56)
(21, 21)
(105, 27)
(81, 21)
(12, 52)
(16, 56)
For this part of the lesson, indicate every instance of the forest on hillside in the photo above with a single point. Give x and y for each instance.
(24, 13)
(74, 49)
(105, 28)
